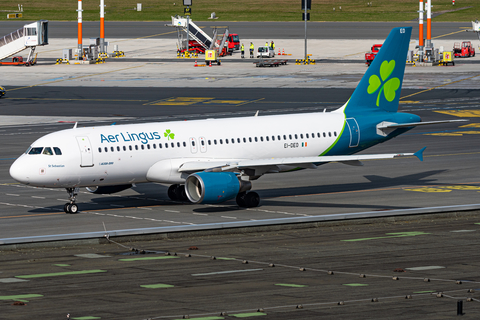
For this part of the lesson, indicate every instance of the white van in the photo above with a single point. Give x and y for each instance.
(265, 52)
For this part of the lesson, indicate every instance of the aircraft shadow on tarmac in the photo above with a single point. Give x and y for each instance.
(150, 195)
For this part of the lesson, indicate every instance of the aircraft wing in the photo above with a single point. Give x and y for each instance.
(302, 162)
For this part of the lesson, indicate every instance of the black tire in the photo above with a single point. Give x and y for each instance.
(252, 200)
(27, 64)
(65, 207)
(241, 199)
(172, 194)
(180, 193)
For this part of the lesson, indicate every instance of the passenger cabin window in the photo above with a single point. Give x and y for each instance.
(99, 150)
(154, 146)
(268, 139)
(136, 147)
(185, 144)
(106, 149)
(226, 141)
(173, 145)
(307, 135)
(130, 148)
(148, 146)
(118, 148)
(112, 149)
(178, 144)
(143, 147)
(209, 142)
(57, 150)
(256, 140)
(238, 140)
(296, 137)
(124, 148)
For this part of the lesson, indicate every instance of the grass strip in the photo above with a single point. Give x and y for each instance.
(56, 274)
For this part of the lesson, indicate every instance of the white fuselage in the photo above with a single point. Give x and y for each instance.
(124, 154)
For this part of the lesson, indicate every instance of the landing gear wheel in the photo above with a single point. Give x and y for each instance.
(241, 199)
(252, 200)
(172, 194)
(70, 208)
(180, 193)
(73, 208)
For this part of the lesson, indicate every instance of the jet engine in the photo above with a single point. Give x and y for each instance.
(108, 189)
(214, 187)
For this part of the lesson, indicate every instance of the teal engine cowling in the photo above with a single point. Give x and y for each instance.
(214, 187)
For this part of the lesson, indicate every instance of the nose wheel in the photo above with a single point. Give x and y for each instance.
(71, 207)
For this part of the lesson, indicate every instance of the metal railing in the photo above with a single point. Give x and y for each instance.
(11, 37)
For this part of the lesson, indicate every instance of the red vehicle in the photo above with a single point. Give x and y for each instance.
(465, 51)
(17, 61)
(233, 42)
(369, 56)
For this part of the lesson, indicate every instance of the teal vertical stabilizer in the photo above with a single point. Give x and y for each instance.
(381, 85)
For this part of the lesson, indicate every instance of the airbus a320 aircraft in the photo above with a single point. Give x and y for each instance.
(212, 161)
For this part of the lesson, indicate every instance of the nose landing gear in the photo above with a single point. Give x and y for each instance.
(71, 207)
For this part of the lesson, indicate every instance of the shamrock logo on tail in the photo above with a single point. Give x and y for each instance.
(389, 87)
(168, 134)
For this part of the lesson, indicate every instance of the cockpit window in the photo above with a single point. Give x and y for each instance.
(58, 152)
(48, 151)
(28, 150)
(37, 150)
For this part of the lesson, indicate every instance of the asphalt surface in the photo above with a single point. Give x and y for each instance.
(248, 30)
(107, 282)
(446, 177)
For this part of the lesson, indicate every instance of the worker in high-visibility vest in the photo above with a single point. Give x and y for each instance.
(242, 49)
(252, 47)
(266, 44)
(272, 45)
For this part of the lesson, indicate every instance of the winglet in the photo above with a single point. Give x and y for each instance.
(419, 153)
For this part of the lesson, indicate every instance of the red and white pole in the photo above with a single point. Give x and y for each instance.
(102, 26)
(420, 28)
(428, 43)
(79, 29)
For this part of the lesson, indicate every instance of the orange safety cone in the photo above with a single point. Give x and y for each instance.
(283, 52)
(210, 63)
(279, 52)
(196, 65)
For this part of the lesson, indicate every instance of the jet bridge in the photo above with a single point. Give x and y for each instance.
(29, 36)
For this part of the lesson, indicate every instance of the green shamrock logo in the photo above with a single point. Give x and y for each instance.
(168, 134)
(388, 87)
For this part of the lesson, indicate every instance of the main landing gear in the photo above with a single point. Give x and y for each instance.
(176, 192)
(248, 200)
(71, 207)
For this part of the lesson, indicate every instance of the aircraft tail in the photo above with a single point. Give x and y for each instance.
(381, 85)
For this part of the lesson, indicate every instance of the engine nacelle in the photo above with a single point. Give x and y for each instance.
(108, 189)
(214, 187)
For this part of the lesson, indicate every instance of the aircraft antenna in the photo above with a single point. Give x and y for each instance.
(256, 114)
(75, 125)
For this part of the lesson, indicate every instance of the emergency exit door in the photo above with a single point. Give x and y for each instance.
(85, 152)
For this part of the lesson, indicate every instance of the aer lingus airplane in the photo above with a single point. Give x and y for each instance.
(215, 160)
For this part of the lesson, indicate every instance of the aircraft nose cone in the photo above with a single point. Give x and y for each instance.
(18, 172)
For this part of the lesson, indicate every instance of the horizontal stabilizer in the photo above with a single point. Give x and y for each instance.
(414, 124)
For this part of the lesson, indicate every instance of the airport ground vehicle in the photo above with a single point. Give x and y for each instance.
(17, 61)
(465, 50)
(233, 42)
(369, 56)
(265, 52)
(2, 91)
